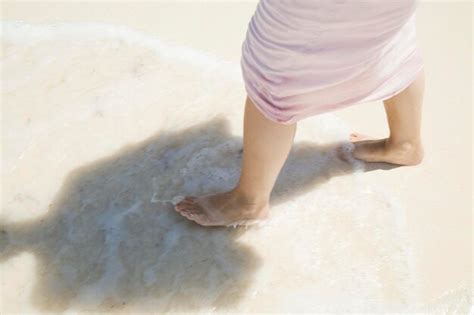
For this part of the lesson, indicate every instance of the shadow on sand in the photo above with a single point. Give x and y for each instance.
(103, 239)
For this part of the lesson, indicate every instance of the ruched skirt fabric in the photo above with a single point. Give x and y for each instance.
(305, 57)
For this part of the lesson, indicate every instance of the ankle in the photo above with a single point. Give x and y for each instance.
(403, 145)
(250, 198)
(410, 152)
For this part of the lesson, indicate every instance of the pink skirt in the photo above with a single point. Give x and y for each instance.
(305, 57)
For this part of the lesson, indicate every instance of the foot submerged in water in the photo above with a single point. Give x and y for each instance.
(222, 209)
(369, 149)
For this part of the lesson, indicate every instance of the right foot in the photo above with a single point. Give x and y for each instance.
(222, 209)
(381, 150)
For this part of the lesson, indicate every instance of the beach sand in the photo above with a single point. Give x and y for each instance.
(110, 111)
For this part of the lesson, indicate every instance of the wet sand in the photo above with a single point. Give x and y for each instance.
(94, 138)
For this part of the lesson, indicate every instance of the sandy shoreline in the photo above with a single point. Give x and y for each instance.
(437, 195)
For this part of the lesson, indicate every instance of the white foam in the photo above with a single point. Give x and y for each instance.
(29, 34)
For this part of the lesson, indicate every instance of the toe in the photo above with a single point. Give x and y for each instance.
(180, 206)
(184, 203)
(185, 208)
(354, 136)
(195, 216)
(188, 203)
(185, 211)
(194, 213)
(191, 208)
(199, 218)
(187, 214)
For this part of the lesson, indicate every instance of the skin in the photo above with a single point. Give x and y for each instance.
(267, 145)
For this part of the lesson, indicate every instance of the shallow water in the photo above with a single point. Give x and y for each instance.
(103, 126)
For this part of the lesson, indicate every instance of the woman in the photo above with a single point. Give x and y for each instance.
(305, 57)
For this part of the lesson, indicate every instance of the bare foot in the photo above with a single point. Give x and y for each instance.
(222, 209)
(381, 150)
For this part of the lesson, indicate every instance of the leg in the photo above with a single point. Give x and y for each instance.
(403, 146)
(266, 148)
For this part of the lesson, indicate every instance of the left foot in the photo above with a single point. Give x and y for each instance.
(222, 209)
(381, 150)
